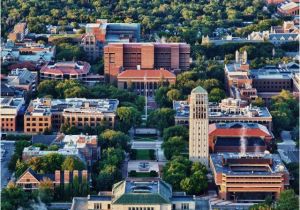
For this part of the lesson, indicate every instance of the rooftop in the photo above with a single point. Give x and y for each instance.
(182, 109)
(149, 74)
(242, 127)
(67, 67)
(199, 89)
(248, 164)
(152, 192)
(42, 106)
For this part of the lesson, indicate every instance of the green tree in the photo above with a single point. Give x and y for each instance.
(216, 95)
(128, 117)
(176, 170)
(287, 201)
(161, 118)
(176, 130)
(258, 102)
(173, 146)
(46, 191)
(160, 97)
(111, 138)
(13, 197)
(173, 94)
(72, 163)
(47, 87)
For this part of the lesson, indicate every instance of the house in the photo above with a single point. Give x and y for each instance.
(30, 180)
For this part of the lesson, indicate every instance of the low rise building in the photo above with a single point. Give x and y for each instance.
(69, 70)
(141, 80)
(271, 80)
(238, 137)
(153, 194)
(22, 79)
(84, 147)
(47, 113)
(249, 176)
(229, 110)
(237, 78)
(9, 111)
(288, 8)
(30, 180)
(27, 52)
(19, 32)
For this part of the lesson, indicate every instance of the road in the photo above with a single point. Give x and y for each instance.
(9, 147)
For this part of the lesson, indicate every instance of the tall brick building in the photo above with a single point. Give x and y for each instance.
(170, 56)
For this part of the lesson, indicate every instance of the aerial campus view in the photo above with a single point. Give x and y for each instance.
(150, 104)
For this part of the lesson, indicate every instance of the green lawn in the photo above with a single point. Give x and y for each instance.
(143, 154)
(137, 138)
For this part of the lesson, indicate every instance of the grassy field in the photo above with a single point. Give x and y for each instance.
(143, 154)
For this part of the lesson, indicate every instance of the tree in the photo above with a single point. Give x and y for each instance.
(287, 201)
(47, 87)
(260, 206)
(176, 130)
(72, 163)
(258, 102)
(128, 116)
(195, 184)
(20, 168)
(160, 97)
(176, 170)
(46, 190)
(173, 146)
(285, 111)
(161, 118)
(13, 197)
(173, 94)
(216, 95)
(111, 138)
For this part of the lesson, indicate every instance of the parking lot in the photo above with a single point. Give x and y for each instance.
(8, 147)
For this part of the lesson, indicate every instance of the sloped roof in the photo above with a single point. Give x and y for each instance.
(152, 192)
(147, 74)
(199, 89)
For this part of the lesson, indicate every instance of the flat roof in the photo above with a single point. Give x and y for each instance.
(182, 109)
(276, 167)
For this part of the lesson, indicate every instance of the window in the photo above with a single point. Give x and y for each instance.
(108, 206)
(97, 205)
(184, 206)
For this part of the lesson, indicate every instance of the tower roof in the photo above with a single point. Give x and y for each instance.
(199, 89)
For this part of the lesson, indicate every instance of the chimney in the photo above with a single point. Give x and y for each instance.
(84, 175)
(57, 177)
(66, 176)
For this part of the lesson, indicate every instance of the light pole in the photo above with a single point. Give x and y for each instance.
(146, 96)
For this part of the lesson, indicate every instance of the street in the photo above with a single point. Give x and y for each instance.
(9, 147)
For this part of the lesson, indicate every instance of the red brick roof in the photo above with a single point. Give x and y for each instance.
(157, 74)
(237, 132)
(27, 64)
